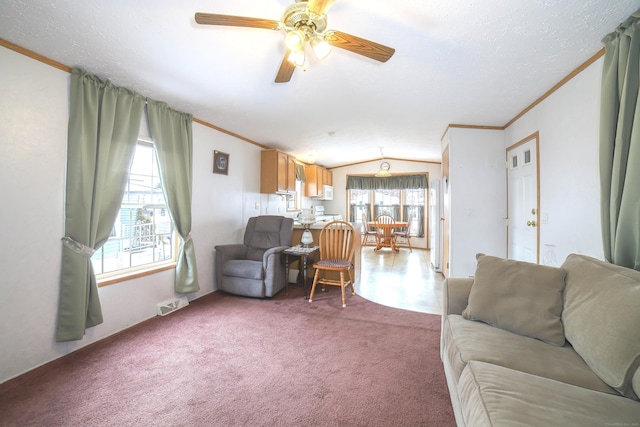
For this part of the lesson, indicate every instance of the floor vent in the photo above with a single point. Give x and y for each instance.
(172, 305)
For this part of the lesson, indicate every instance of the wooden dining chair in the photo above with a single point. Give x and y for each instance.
(403, 237)
(337, 245)
(369, 234)
(385, 234)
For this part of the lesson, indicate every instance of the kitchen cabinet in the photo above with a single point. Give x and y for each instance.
(314, 174)
(277, 172)
(317, 180)
(328, 177)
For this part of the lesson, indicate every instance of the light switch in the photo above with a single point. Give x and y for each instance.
(545, 218)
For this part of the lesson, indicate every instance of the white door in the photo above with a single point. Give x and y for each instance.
(523, 205)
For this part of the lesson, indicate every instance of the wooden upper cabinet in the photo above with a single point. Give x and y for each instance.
(317, 178)
(311, 186)
(277, 172)
(328, 177)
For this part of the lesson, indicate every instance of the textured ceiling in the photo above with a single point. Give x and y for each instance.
(465, 62)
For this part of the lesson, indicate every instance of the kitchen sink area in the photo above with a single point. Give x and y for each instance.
(321, 217)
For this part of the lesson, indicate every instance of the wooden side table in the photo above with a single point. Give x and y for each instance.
(302, 255)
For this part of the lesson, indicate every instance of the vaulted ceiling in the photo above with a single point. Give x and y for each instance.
(465, 62)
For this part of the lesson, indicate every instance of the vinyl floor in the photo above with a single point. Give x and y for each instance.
(404, 279)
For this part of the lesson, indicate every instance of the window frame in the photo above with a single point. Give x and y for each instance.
(294, 201)
(402, 204)
(129, 273)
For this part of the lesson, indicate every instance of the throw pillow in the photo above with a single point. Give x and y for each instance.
(517, 296)
(602, 321)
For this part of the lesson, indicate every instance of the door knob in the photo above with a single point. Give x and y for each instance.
(531, 223)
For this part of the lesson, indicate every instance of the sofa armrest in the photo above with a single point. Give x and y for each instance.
(274, 270)
(455, 295)
(225, 253)
(276, 250)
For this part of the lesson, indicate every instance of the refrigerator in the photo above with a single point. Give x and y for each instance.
(436, 213)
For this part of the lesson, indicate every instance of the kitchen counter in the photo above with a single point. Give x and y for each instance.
(314, 226)
(321, 220)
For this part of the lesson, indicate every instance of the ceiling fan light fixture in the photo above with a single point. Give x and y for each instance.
(320, 47)
(305, 22)
(295, 40)
(297, 57)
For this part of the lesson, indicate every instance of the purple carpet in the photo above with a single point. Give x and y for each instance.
(227, 361)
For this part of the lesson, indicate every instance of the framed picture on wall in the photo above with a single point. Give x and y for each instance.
(220, 162)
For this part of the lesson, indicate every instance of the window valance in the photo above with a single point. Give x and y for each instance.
(396, 182)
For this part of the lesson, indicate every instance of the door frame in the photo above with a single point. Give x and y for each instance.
(534, 136)
(446, 214)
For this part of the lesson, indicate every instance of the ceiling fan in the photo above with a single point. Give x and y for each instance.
(304, 22)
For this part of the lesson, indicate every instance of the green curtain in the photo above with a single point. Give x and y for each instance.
(104, 121)
(300, 176)
(396, 182)
(418, 217)
(620, 145)
(171, 132)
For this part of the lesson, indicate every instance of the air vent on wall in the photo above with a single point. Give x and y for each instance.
(172, 305)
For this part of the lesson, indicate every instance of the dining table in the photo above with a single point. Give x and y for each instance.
(387, 240)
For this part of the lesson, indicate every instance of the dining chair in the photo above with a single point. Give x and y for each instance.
(369, 235)
(385, 233)
(403, 237)
(337, 245)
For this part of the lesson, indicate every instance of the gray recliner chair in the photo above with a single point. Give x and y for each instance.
(254, 268)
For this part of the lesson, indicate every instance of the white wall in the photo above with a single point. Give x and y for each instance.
(477, 197)
(339, 204)
(33, 130)
(569, 126)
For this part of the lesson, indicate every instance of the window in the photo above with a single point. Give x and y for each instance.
(294, 201)
(400, 204)
(414, 202)
(387, 202)
(142, 237)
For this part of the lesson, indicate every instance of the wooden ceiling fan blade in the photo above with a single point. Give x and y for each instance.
(286, 69)
(359, 45)
(319, 7)
(236, 21)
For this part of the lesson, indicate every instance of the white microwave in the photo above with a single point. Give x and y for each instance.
(327, 193)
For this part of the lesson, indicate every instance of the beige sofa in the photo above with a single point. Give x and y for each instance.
(531, 345)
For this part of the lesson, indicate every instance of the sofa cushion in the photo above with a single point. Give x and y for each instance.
(518, 296)
(602, 319)
(466, 341)
(264, 232)
(492, 395)
(243, 268)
